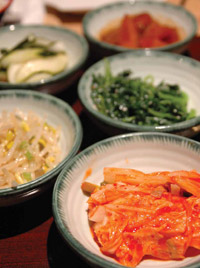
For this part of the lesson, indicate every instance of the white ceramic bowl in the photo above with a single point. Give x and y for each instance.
(95, 20)
(75, 45)
(80, 6)
(163, 66)
(57, 113)
(147, 152)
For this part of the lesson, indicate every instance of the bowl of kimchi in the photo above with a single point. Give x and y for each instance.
(132, 25)
(39, 134)
(132, 200)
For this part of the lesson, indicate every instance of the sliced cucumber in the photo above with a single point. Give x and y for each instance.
(30, 39)
(12, 71)
(32, 59)
(51, 65)
(14, 68)
(38, 77)
(33, 41)
(43, 42)
(57, 47)
(19, 56)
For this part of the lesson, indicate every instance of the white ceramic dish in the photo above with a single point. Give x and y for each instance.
(57, 113)
(79, 5)
(163, 66)
(75, 45)
(147, 152)
(95, 20)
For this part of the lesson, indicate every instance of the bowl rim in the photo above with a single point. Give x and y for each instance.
(62, 75)
(63, 229)
(76, 143)
(129, 126)
(88, 16)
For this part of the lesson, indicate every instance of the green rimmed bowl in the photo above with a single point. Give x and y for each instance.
(95, 20)
(56, 112)
(163, 66)
(75, 45)
(147, 152)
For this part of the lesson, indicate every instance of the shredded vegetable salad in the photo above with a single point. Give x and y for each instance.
(29, 147)
(134, 214)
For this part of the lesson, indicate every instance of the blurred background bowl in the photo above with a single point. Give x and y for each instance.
(56, 113)
(4, 5)
(95, 20)
(75, 45)
(162, 66)
(147, 152)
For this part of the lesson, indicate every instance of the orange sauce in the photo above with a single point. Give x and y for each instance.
(140, 31)
(87, 173)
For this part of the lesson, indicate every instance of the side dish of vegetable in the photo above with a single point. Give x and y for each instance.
(135, 214)
(138, 100)
(29, 147)
(31, 60)
(140, 31)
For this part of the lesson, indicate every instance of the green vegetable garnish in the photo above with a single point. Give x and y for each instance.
(23, 145)
(27, 176)
(138, 100)
(29, 155)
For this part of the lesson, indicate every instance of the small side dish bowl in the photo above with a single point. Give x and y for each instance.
(147, 152)
(56, 113)
(75, 46)
(162, 66)
(110, 14)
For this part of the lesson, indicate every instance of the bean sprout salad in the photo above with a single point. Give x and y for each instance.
(29, 147)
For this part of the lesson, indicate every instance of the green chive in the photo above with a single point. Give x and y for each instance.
(27, 176)
(29, 155)
(23, 145)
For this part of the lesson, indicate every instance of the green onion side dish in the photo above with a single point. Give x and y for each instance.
(139, 100)
(31, 60)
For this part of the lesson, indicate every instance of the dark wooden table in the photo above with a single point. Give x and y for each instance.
(28, 235)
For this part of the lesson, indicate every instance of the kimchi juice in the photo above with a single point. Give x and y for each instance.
(141, 31)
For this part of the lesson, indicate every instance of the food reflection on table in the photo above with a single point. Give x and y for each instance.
(141, 31)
